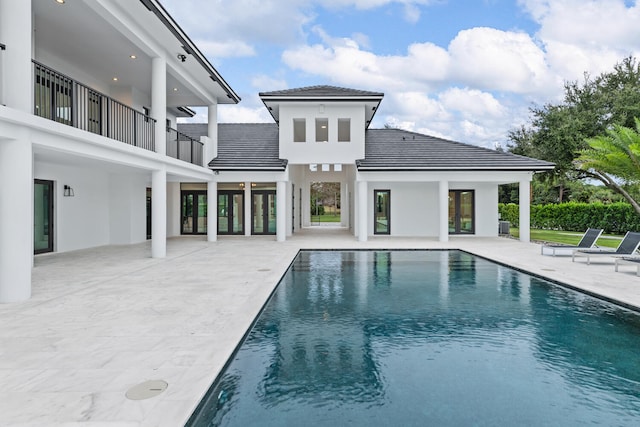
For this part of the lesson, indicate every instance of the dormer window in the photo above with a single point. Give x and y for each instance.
(322, 130)
(299, 130)
(344, 130)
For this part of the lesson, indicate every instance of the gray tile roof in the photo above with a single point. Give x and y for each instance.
(322, 91)
(395, 149)
(254, 146)
(242, 146)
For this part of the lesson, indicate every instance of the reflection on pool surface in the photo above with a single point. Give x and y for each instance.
(442, 338)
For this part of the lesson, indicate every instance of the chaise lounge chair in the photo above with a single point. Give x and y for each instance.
(589, 239)
(627, 247)
(630, 261)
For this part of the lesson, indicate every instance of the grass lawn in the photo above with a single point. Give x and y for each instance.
(568, 237)
(325, 218)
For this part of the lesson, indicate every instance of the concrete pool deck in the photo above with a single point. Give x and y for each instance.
(103, 320)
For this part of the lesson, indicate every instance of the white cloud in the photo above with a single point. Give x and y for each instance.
(232, 48)
(585, 35)
(264, 83)
(472, 103)
(500, 60)
(241, 114)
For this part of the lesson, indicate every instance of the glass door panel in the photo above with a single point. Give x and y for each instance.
(452, 212)
(201, 218)
(223, 213)
(466, 212)
(238, 213)
(187, 213)
(381, 211)
(258, 213)
(271, 212)
(42, 216)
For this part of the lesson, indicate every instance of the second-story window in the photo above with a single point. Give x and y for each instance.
(322, 130)
(299, 130)
(344, 130)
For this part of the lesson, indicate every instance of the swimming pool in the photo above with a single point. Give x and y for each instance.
(443, 338)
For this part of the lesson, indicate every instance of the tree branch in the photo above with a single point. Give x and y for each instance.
(612, 184)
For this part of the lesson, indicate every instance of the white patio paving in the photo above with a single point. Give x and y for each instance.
(103, 320)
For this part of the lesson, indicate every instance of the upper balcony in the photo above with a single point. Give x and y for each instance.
(62, 99)
(100, 66)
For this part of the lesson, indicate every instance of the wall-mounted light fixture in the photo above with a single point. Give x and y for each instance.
(68, 191)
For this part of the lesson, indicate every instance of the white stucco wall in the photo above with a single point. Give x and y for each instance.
(414, 207)
(127, 208)
(81, 221)
(322, 152)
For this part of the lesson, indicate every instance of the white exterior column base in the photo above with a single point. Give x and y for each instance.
(212, 211)
(281, 209)
(525, 211)
(443, 210)
(16, 219)
(159, 214)
(363, 226)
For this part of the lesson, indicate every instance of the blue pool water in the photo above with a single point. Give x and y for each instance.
(428, 338)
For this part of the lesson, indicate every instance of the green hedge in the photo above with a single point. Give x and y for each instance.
(614, 218)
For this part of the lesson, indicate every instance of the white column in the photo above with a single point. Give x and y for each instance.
(248, 203)
(281, 211)
(16, 34)
(212, 211)
(159, 213)
(363, 212)
(525, 213)
(159, 102)
(344, 204)
(443, 209)
(16, 218)
(211, 149)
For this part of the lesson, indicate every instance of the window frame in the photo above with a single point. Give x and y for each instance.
(303, 122)
(342, 122)
(320, 131)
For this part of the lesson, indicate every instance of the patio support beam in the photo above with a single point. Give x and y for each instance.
(16, 218)
(525, 210)
(443, 209)
(281, 209)
(212, 211)
(362, 211)
(159, 103)
(211, 149)
(159, 213)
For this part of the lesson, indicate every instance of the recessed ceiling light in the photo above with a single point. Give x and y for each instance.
(60, 1)
(115, 79)
(132, 56)
(175, 89)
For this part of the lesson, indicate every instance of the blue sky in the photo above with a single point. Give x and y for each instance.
(466, 70)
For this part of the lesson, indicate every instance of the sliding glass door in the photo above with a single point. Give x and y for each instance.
(194, 212)
(263, 212)
(382, 210)
(462, 212)
(42, 216)
(230, 212)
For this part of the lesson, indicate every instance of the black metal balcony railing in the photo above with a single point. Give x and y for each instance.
(64, 100)
(183, 147)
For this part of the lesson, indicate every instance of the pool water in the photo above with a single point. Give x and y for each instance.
(417, 338)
